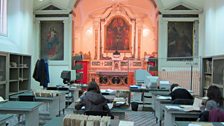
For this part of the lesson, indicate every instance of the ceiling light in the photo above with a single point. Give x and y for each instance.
(146, 32)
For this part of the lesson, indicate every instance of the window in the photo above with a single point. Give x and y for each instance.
(3, 17)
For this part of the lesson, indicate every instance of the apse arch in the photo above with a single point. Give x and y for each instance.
(100, 15)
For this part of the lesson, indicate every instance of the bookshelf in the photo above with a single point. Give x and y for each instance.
(206, 74)
(213, 73)
(218, 72)
(3, 77)
(14, 73)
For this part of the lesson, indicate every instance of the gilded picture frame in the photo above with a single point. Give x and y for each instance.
(52, 40)
(180, 39)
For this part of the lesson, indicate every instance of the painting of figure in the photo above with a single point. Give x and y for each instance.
(180, 39)
(118, 35)
(52, 40)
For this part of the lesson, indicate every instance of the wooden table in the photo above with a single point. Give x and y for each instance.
(159, 108)
(147, 95)
(4, 118)
(158, 93)
(30, 109)
(120, 112)
(55, 104)
(170, 115)
(186, 123)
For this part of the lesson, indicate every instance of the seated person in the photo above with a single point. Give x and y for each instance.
(178, 92)
(214, 101)
(93, 100)
(180, 95)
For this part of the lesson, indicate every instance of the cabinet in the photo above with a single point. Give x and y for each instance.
(81, 72)
(213, 73)
(81, 68)
(153, 66)
(3, 75)
(218, 72)
(14, 73)
(19, 73)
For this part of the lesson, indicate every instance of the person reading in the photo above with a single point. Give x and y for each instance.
(215, 101)
(93, 101)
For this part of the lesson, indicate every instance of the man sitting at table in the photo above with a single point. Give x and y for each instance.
(178, 92)
(93, 100)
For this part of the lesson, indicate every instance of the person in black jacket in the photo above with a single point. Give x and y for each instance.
(178, 92)
(93, 100)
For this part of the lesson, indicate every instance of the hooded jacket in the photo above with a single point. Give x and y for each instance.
(93, 101)
(180, 93)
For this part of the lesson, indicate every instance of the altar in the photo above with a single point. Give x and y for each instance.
(113, 78)
(114, 72)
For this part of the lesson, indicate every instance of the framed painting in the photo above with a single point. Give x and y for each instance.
(180, 40)
(117, 35)
(52, 40)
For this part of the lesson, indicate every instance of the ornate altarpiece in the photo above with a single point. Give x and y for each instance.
(117, 31)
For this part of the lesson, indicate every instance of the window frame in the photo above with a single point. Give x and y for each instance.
(3, 17)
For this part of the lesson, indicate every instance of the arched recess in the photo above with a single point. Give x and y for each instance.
(90, 31)
(142, 16)
(135, 31)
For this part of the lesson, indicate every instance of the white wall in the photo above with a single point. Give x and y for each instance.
(55, 67)
(23, 37)
(182, 68)
(214, 28)
(20, 26)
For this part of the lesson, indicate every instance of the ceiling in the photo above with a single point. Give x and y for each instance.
(162, 4)
(165, 4)
(63, 4)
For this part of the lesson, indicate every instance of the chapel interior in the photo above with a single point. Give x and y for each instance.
(134, 50)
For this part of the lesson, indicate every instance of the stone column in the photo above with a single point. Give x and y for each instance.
(139, 32)
(96, 25)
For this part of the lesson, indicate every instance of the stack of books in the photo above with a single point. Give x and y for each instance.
(85, 120)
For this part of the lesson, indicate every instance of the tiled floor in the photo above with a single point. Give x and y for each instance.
(141, 118)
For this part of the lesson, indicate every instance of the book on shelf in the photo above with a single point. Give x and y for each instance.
(208, 81)
(208, 66)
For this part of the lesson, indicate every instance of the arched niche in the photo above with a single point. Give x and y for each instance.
(117, 35)
(128, 31)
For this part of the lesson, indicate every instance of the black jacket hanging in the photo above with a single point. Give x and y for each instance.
(41, 72)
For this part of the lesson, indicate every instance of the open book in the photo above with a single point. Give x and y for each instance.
(126, 123)
(110, 105)
(200, 124)
(2, 99)
(163, 97)
(195, 107)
